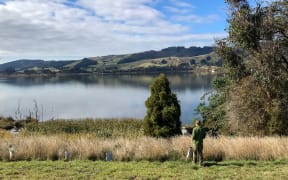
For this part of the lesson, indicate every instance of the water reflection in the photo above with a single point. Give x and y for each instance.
(95, 96)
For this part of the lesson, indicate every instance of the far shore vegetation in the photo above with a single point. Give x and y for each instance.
(168, 60)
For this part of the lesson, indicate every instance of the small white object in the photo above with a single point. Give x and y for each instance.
(15, 131)
(67, 156)
(10, 155)
(108, 156)
(11, 152)
(189, 153)
(184, 131)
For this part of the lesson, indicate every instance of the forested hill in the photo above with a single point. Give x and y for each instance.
(168, 59)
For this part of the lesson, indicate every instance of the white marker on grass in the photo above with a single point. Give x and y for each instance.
(11, 151)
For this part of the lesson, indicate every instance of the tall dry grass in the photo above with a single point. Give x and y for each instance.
(87, 147)
(246, 148)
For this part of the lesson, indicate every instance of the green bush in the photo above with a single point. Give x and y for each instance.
(163, 110)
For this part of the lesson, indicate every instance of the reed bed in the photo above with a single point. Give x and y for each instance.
(246, 148)
(87, 147)
(102, 128)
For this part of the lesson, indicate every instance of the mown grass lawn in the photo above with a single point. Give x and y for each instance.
(143, 170)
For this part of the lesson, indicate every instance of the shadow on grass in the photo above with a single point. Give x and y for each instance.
(231, 163)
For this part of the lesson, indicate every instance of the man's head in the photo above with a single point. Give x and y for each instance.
(197, 122)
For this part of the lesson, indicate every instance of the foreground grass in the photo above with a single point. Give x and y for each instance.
(143, 170)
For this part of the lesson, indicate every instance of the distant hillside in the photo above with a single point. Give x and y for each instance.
(168, 52)
(169, 59)
(25, 64)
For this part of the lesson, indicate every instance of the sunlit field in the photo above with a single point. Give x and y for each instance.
(143, 170)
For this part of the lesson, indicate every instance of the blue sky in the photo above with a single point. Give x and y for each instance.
(72, 29)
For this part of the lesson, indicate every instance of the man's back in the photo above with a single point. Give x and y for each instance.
(198, 135)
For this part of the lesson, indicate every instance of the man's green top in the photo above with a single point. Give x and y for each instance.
(198, 135)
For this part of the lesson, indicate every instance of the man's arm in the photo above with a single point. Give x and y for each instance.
(193, 133)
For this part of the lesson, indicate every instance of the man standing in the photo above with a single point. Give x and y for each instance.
(198, 134)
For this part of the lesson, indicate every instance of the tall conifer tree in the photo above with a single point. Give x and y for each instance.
(163, 110)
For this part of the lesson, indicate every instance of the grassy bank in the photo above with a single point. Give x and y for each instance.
(143, 170)
(89, 147)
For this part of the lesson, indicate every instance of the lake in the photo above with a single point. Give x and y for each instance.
(95, 96)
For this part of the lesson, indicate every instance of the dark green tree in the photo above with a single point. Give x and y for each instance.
(163, 110)
(214, 113)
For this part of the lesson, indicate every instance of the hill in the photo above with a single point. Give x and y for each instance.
(168, 59)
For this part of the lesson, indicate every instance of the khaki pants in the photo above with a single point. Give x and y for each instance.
(198, 154)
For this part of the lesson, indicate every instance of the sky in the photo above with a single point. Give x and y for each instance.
(73, 29)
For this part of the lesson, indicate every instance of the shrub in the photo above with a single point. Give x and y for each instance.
(163, 110)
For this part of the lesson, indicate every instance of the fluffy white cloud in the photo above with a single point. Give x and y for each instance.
(88, 28)
(126, 11)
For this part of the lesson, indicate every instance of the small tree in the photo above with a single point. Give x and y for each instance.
(163, 110)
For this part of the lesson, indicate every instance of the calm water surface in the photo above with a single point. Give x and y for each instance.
(95, 96)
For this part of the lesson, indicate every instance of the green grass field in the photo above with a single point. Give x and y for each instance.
(143, 170)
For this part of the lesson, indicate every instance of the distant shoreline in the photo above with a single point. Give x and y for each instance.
(201, 70)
